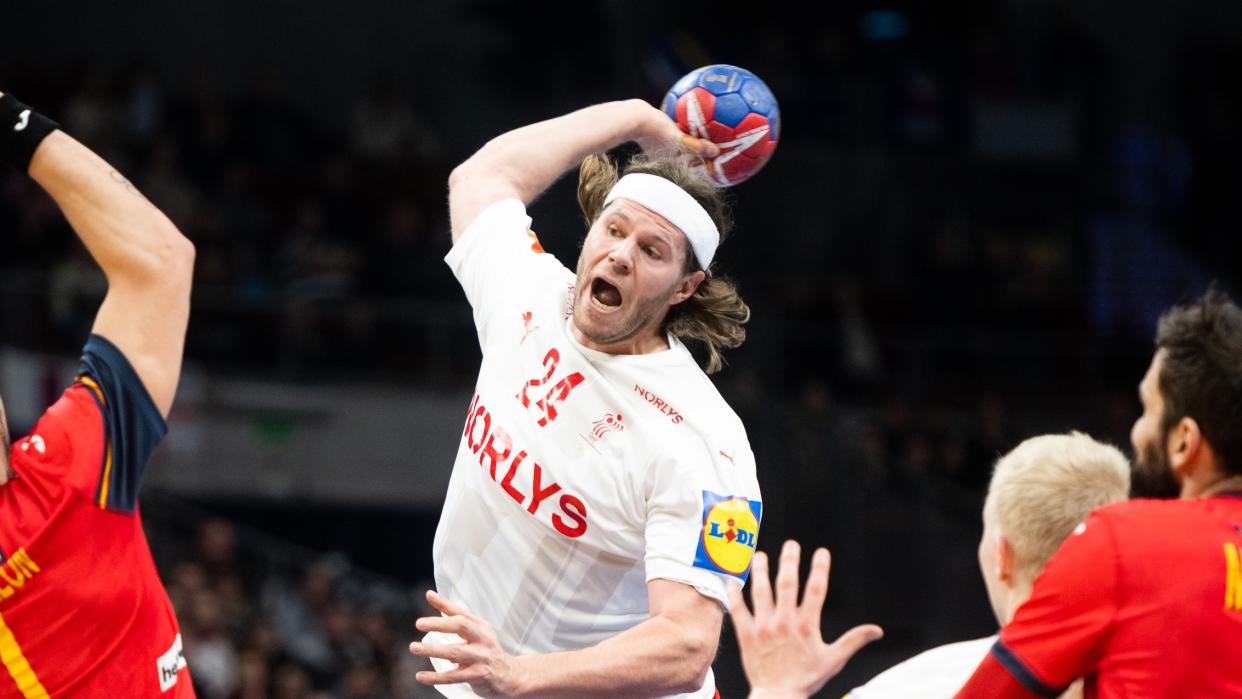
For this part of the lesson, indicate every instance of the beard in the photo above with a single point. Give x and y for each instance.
(1151, 476)
(623, 326)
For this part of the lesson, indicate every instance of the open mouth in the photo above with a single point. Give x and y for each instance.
(605, 294)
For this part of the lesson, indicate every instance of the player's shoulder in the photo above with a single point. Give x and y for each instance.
(502, 214)
(501, 238)
(711, 410)
(1151, 518)
(1129, 527)
(1144, 512)
(707, 417)
(79, 406)
(63, 431)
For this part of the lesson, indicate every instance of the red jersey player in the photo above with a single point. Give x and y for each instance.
(1145, 598)
(82, 610)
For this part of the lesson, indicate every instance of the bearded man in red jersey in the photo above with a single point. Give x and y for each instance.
(1144, 599)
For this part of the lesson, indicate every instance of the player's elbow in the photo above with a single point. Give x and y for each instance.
(460, 174)
(476, 171)
(176, 256)
(476, 175)
(495, 168)
(165, 262)
(696, 652)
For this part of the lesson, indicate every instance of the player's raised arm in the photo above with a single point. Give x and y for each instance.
(522, 163)
(148, 263)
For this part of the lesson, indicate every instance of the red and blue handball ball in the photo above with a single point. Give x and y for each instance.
(734, 109)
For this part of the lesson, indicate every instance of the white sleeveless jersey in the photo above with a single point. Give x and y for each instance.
(580, 476)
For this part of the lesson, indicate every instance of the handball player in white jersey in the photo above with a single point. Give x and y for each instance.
(604, 498)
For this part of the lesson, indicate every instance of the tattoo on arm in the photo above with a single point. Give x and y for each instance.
(120, 179)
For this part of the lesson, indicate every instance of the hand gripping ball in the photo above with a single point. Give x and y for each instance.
(734, 109)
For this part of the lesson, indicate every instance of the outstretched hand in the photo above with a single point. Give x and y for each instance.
(481, 662)
(783, 652)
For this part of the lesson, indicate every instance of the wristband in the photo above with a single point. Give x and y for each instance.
(22, 129)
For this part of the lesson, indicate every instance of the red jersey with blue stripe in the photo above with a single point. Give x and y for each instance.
(1143, 600)
(82, 610)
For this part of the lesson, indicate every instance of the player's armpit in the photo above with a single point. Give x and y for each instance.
(148, 325)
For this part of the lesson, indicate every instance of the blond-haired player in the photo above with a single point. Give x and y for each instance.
(1040, 491)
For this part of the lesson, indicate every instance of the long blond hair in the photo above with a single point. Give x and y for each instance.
(715, 315)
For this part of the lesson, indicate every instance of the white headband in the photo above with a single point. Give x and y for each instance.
(673, 203)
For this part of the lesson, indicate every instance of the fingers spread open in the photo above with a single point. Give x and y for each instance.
(816, 590)
(853, 640)
(787, 577)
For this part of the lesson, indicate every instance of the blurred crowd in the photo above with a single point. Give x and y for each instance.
(261, 622)
(295, 224)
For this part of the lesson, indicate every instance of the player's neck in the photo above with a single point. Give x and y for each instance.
(1223, 484)
(1017, 596)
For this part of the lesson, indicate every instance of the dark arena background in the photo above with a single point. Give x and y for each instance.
(975, 215)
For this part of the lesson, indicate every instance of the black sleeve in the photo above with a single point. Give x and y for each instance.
(133, 426)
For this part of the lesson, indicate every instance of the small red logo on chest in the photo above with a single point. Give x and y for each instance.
(604, 425)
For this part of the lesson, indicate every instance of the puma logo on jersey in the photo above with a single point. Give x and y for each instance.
(37, 442)
(23, 120)
(526, 321)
